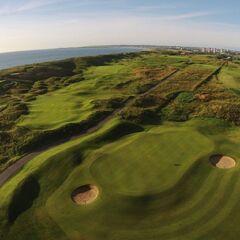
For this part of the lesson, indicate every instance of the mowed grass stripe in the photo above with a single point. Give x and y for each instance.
(216, 214)
(164, 219)
(166, 223)
(195, 200)
(178, 227)
(194, 221)
(227, 227)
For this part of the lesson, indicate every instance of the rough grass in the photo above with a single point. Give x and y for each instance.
(39, 98)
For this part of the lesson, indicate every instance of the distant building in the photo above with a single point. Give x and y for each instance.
(214, 50)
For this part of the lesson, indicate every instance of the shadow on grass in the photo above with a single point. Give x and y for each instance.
(23, 198)
(121, 130)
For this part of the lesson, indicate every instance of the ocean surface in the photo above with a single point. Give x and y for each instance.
(13, 59)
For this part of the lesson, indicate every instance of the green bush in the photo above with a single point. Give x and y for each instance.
(185, 97)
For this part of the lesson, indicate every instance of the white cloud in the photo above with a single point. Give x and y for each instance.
(33, 4)
(128, 30)
(158, 7)
(118, 26)
(189, 15)
(12, 8)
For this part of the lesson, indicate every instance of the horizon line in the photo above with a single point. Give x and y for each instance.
(116, 45)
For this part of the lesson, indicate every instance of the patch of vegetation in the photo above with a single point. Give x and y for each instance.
(40, 99)
(185, 97)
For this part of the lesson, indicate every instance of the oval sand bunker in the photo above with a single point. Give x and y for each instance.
(223, 162)
(85, 194)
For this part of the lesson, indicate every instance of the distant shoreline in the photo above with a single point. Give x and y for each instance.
(66, 48)
(20, 58)
(118, 46)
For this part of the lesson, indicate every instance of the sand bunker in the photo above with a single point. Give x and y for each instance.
(203, 96)
(85, 194)
(221, 161)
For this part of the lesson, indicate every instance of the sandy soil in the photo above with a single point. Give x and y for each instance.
(221, 161)
(85, 194)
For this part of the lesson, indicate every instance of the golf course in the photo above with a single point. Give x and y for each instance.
(131, 146)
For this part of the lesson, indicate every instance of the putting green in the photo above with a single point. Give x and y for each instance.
(157, 184)
(150, 162)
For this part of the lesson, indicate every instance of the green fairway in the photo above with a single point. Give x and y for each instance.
(167, 186)
(55, 110)
(230, 77)
(142, 171)
(73, 103)
(160, 179)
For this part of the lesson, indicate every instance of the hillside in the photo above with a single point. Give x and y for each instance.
(143, 134)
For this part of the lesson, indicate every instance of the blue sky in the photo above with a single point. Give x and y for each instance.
(38, 24)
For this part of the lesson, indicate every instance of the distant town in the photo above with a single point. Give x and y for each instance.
(198, 50)
(207, 50)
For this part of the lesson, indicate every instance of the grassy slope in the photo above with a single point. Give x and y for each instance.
(68, 156)
(146, 202)
(155, 184)
(168, 201)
